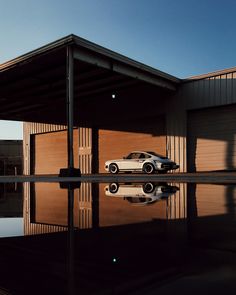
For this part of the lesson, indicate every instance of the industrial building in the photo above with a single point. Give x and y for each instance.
(119, 105)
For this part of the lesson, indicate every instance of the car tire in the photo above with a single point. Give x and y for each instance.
(113, 187)
(113, 168)
(148, 188)
(148, 168)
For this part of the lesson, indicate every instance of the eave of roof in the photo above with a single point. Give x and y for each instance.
(33, 85)
(210, 74)
(80, 42)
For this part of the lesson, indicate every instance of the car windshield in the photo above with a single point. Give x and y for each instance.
(157, 155)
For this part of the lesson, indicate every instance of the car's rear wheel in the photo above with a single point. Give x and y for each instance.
(113, 168)
(148, 168)
(148, 187)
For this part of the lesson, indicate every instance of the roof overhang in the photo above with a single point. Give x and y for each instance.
(33, 86)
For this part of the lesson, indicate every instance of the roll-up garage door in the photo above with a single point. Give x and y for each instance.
(212, 139)
(50, 151)
(49, 154)
(139, 135)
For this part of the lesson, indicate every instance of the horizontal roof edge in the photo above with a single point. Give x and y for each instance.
(78, 41)
(210, 74)
(58, 43)
(122, 58)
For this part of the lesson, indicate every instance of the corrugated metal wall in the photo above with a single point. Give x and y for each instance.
(176, 138)
(211, 91)
(84, 197)
(206, 92)
(211, 139)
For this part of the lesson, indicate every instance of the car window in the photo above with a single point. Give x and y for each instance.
(133, 156)
(128, 157)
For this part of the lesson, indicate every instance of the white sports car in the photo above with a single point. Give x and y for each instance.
(141, 193)
(147, 162)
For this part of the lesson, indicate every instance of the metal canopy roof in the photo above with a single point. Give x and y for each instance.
(33, 86)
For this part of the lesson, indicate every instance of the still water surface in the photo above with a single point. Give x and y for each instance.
(121, 238)
(10, 227)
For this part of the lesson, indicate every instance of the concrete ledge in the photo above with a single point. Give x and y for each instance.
(206, 177)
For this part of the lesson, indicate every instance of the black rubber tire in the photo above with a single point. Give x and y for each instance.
(113, 187)
(113, 168)
(148, 168)
(148, 187)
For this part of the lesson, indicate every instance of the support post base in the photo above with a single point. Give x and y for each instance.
(70, 172)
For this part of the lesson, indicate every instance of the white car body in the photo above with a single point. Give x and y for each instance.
(140, 194)
(141, 161)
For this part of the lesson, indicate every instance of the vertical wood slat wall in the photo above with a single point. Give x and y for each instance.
(85, 165)
(177, 204)
(84, 197)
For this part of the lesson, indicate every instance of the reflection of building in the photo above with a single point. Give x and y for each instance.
(49, 206)
(11, 160)
(46, 208)
(212, 215)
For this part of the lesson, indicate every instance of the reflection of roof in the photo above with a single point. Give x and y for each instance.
(34, 84)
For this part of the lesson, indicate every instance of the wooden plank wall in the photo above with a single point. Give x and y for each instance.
(83, 198)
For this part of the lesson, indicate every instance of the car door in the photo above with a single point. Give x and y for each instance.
(136, 161)
(131, 162)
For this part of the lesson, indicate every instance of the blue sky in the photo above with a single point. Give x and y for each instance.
(182, 38)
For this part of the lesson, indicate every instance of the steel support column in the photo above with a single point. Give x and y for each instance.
(70, 170)
(70, 105)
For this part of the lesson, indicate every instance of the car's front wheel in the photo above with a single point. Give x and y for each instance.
(148, 168)
(113, 168)
(113, 187)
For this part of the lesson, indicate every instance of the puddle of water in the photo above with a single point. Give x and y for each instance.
(105, 236)
(10, 227)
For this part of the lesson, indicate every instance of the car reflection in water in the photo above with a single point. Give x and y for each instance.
(141, 194)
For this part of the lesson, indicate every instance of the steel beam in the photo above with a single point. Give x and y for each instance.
(123, 68)
(70, 105)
